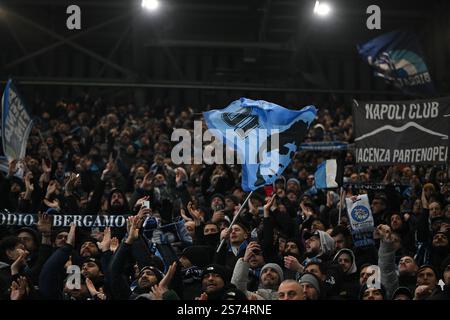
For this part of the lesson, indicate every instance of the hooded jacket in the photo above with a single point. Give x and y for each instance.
(350, 279)
(240, 279)
(353, 268)
(388, 268)
(327, 247)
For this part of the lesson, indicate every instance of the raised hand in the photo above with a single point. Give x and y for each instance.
(108, 169)
(252, 209)
(329, 199)
(225, 233)
(44, 224)
(93, 291)
(71, 236)
(147, 182)
(105, 244)
(51, 188)
(385, 232)
(269, 204)
(249, 250)
(157, 292)
(70, 184)
(195, 213)
(45, 168)
(422, 292)
(165, 282)
(19, 262)
(133, 233)
(306, 211)
(179, 176)
(140, 201)
(218, 216)
(114, 244)
(292, 263)
(203, 297)
(143, 211)
(19, 288)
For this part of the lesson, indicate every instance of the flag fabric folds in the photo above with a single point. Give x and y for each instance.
(329, 174)
(265, 136)
(16, 123)
(397, 57)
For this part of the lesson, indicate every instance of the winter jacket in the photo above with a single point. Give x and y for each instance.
(240, 279)
(388, 269)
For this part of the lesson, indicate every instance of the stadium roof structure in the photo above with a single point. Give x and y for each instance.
(209, 45)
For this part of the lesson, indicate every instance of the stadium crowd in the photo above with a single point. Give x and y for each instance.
(87, 157)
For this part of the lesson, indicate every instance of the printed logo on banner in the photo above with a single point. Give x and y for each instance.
(361, 220)
(360, 213)
(400, 64)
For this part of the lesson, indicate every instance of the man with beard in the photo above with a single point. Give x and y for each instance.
(148, 276)
(269, 280)
(439, 250)
(192, 262)
(215, 282)
(311, 286)
(319, 245)
(89, 248)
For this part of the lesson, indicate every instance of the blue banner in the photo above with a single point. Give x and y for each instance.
(16, 123)
(397, 57)
(325, 146)
(265, 136)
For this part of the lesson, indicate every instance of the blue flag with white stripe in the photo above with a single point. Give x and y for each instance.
(265, 136)
(328, 174)
(397, 57)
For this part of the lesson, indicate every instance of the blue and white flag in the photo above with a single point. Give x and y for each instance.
(265, 136)
(398, 58)
(16, 123)
(325, 146)
(329, 174)
(361, 220)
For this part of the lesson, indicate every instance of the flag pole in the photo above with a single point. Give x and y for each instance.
(235, 218)
(341, 191)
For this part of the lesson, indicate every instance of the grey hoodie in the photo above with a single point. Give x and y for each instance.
(353, 268)
(327, 244)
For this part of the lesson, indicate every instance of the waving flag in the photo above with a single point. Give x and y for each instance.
(265, 136)
(16, 123)
(329, 174)
(398, 58)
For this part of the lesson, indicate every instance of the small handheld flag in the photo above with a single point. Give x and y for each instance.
(329, 174)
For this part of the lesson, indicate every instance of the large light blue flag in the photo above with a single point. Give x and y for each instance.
(265, 136)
